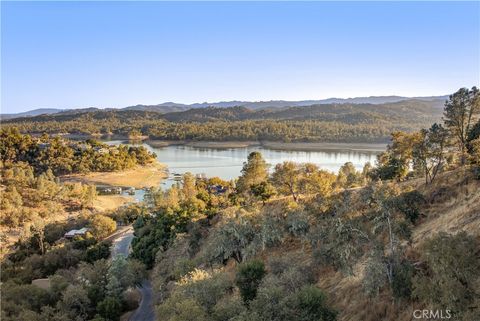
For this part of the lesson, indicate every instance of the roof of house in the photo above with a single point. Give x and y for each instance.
(81, 231)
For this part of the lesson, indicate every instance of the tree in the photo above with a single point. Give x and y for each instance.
(409, 204)
(287, 178)
(339, 243)
(110, 308)
(387, 225)
(317, 181)
(367, 172)
(89, 195)
(37, 228)
(475, 151)
(254, 171)
(264, 191)
(396, 161)
(231, 240)
(348, 176)
(461, 111)
(179, 308)
(75, 303)
(473, 146)
(248, 278)
(11, 205)
(309, 303)
(429, 151)
(94, 278)
(188, 186)
(205, 288)
(102, 226)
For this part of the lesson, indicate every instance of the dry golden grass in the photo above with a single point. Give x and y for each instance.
(139, 177)
(105, 203)
(202, 144)
(453, 205)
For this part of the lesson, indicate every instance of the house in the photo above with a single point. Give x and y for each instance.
(43, 146)
(83, 147)
(217, 189)
(72, 233)
(101, 150)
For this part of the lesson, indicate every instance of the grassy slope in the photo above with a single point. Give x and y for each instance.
(451, 211)
(453, 205)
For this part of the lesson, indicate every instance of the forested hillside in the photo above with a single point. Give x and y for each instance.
(63, 156)
(316, 123)
(293, 243)
(301, 243)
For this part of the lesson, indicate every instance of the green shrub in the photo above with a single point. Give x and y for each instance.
(205, 288)
(180, 308)
(309, 304)
(451, 278)
(375, 276)
(98, 251)
(228, 308)
(269, 305)
(402, 280)
(249, 276)
(297, 223)
(110, 308)
(409, 204)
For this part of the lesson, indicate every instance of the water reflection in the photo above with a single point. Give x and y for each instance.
(227, 163)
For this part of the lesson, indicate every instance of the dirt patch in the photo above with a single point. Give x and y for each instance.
(222, 144)
(42, 283)
(139, 177)
(111, 202)
(202, 144)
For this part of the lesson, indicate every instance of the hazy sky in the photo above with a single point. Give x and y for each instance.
(115, 54)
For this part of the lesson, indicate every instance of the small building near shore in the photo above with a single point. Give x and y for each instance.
(72, 233)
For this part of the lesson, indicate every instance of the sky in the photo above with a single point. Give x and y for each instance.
(117, 54)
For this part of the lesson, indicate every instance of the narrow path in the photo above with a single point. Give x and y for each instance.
(121, 246)
(145, 311)
(121, 242)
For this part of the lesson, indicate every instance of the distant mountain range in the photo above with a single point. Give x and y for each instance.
(170, 107)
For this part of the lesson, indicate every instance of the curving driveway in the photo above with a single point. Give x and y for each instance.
(145, 311)
(121, 246)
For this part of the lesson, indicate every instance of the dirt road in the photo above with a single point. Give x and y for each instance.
(121, 246)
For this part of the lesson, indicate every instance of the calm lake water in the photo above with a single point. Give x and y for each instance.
(227, 163)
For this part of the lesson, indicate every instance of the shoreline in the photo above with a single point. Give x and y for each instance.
(358, 147)
(274, 145)
(138, 177)
(300, 146)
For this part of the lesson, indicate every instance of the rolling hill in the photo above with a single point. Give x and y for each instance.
(169, 107)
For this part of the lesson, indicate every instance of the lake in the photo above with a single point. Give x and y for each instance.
(227, 163)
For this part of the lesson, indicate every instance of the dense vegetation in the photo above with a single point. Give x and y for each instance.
(28, 197)
(294, 243)
(37, 209)
(81, 284)
(316, 123)
(276, 235)
(62, 156)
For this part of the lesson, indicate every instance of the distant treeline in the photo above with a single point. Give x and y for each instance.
(316, 123)
(63, 156)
